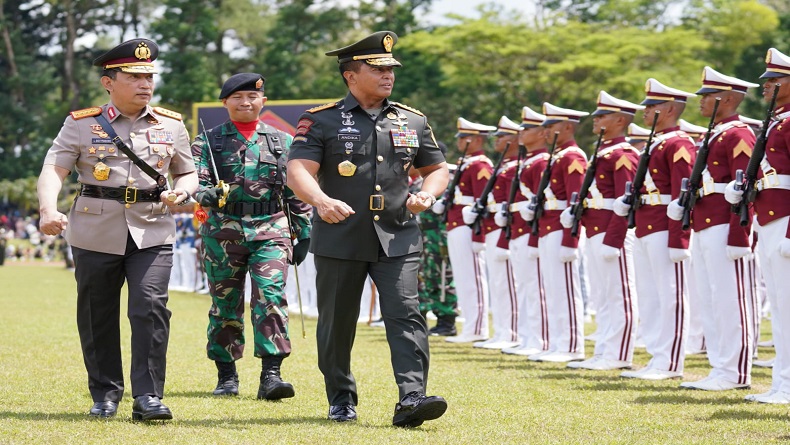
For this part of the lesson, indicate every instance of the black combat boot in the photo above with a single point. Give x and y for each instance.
(227, 379)
(272, 386)
(445, 326)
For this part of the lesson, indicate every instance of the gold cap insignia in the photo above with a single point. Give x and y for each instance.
(142, 51)
(259, 84)
(388, 42)
(647, 86)
(768, 57)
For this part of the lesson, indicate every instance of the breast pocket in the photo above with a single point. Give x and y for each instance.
(267, 167)
(230, 167)
(404, 157)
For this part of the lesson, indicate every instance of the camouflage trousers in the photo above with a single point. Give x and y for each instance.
(226, 264)
(435, 288)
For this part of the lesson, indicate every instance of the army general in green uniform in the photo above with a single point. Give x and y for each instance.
(351, 160)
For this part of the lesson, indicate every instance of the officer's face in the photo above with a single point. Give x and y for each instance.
(244, 106)
(784, 89)
(130, 92)
(502, 142)
(371, 82)
(707, 102)
(470, 144)
(531, 137)
(602, 121)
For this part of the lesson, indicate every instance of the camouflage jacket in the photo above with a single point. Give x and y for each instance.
(250, 169)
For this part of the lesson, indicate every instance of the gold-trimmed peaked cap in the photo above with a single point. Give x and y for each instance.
(132, 56)
(375, 50)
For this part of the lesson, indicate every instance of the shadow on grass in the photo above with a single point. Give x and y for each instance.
(683, 397)
(748, 415)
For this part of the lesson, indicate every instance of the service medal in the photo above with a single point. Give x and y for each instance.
(101, 172)
(346, 168)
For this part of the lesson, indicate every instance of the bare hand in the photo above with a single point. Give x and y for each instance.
(52, 223)
(419, 202)
(173, 198)
(333, 211)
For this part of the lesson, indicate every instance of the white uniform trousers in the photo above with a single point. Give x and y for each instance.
(471, 281)
(533, 328)
(502, 292)
(663, 297)
(563, 297)
(617, 313)
(695, 340)
(775, 268)
(723, 289)
(753, 269)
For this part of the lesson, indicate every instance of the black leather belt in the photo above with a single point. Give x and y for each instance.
(239, 208)
(432, 225)
(128, 195)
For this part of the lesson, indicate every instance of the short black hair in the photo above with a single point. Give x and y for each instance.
(351, 65)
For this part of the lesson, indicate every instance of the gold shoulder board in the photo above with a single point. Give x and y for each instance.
(406, 107)
(168, 113)
(322, 107)
(85, 112)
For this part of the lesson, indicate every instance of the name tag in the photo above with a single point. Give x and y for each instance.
(349, 137)
(405, 138)
(101, 141)
(160, 137)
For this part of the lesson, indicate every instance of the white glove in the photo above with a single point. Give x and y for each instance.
(609, 253)
(469, 214)
(620, 208)
(678, 255)
(478, 247)
(731, 195)
(500, 218)
(566, 219)
(533, 252)
(675, 210)
(501, 254)
(568, 254)
(737, 252)
(527, 213)
(784, 247)
(438, 207)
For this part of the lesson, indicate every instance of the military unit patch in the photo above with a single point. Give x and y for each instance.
(85, 112)
(303, 126)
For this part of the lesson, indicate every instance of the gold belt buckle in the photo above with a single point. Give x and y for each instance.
(707, 187)
(654, 197)
(550, 203)
(376, 202)
(130, 200)
(771, 179)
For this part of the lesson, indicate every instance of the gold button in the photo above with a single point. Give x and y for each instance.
(649, 227)
(601, 176)
(461, 184)
(128, 205)
(380, 158)
(455, 224)
(496, 187)
(548, 227)
(131, 135)
(595, 228)
(707, 220)
(772, 149)
(520, 230)
(655, 170)
(554, 181)
(376, 218)
(771, 212)
(715, 162)
(84, 209)
(131, 180)
(408, 150)
(156, 149)
(378, 187)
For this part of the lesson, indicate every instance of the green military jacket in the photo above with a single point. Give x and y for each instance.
(382, 149)
(250, 169)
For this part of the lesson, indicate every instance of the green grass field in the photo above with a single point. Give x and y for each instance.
(493, 399)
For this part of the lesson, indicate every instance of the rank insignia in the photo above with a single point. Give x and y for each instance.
(346, 168)
(576, 166)
(87, 112)
(92, 150)
(742, 148)
(623, 162)
(303, 126)
(682, 154)
(111, 150)
(101, 171)
(152, 120)
(392, 116)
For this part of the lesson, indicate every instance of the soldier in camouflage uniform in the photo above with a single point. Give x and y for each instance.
(248, 233)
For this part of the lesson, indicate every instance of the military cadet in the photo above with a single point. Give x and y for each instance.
(501, 284)
(524, 256)
(694, 131)
(120, 227)
(720, 243)
(557, 249)
(247, 231)
(351, 160)
(637, 137)
(661, 247)
(773, 213)
(466, 248)
(609, 242)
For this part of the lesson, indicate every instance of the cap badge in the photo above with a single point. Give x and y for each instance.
(388, 42)
(142, 52)
(259, 84)
(768, 57)
(647, 86)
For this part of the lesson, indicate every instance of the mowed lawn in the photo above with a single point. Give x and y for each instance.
(493, 399)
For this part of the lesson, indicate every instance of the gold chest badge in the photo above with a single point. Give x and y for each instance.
(346, 168)
(101, 171)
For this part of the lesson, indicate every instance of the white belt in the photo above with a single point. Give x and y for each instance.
(464, 200)
(517, 206)
(654, 199)
(718, 187)
(554, 204)
(773, 182)
(599, 204)
(492, 208)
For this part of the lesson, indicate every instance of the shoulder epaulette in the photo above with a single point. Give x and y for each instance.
(85, 112)
(322, 107)
(167, 113)
(406, 107)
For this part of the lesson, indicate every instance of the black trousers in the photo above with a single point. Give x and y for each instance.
(339, 286)
(100, 277)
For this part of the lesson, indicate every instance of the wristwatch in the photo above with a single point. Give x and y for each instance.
(423, 194)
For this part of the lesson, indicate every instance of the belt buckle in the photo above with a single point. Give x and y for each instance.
(247, 208)
(377, 202)
(654, 197)
(770, 179)
(707, 187)
(550, 203)
(126, 195)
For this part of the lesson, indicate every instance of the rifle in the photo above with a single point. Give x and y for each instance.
(215, 176)
(633, 194)
(577, 206)
(536, 204)
(448, 194)
(689, 198)
(758, 153)
(481, 204)
(513, 190)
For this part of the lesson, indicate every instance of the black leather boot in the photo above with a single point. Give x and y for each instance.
(445, 326)
(227, 379)
(272, 386)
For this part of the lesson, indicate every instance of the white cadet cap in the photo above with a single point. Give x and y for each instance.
(656, 93)
(530, 119)
(555, 114)
(467, 128)
(608, 104)
(776, 64)
(716, 82)
(691, 129)
(506, 127)
(754, 123)
(638, 133)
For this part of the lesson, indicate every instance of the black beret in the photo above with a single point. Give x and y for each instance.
(131, 56)
(242, 82)
(375, 49)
